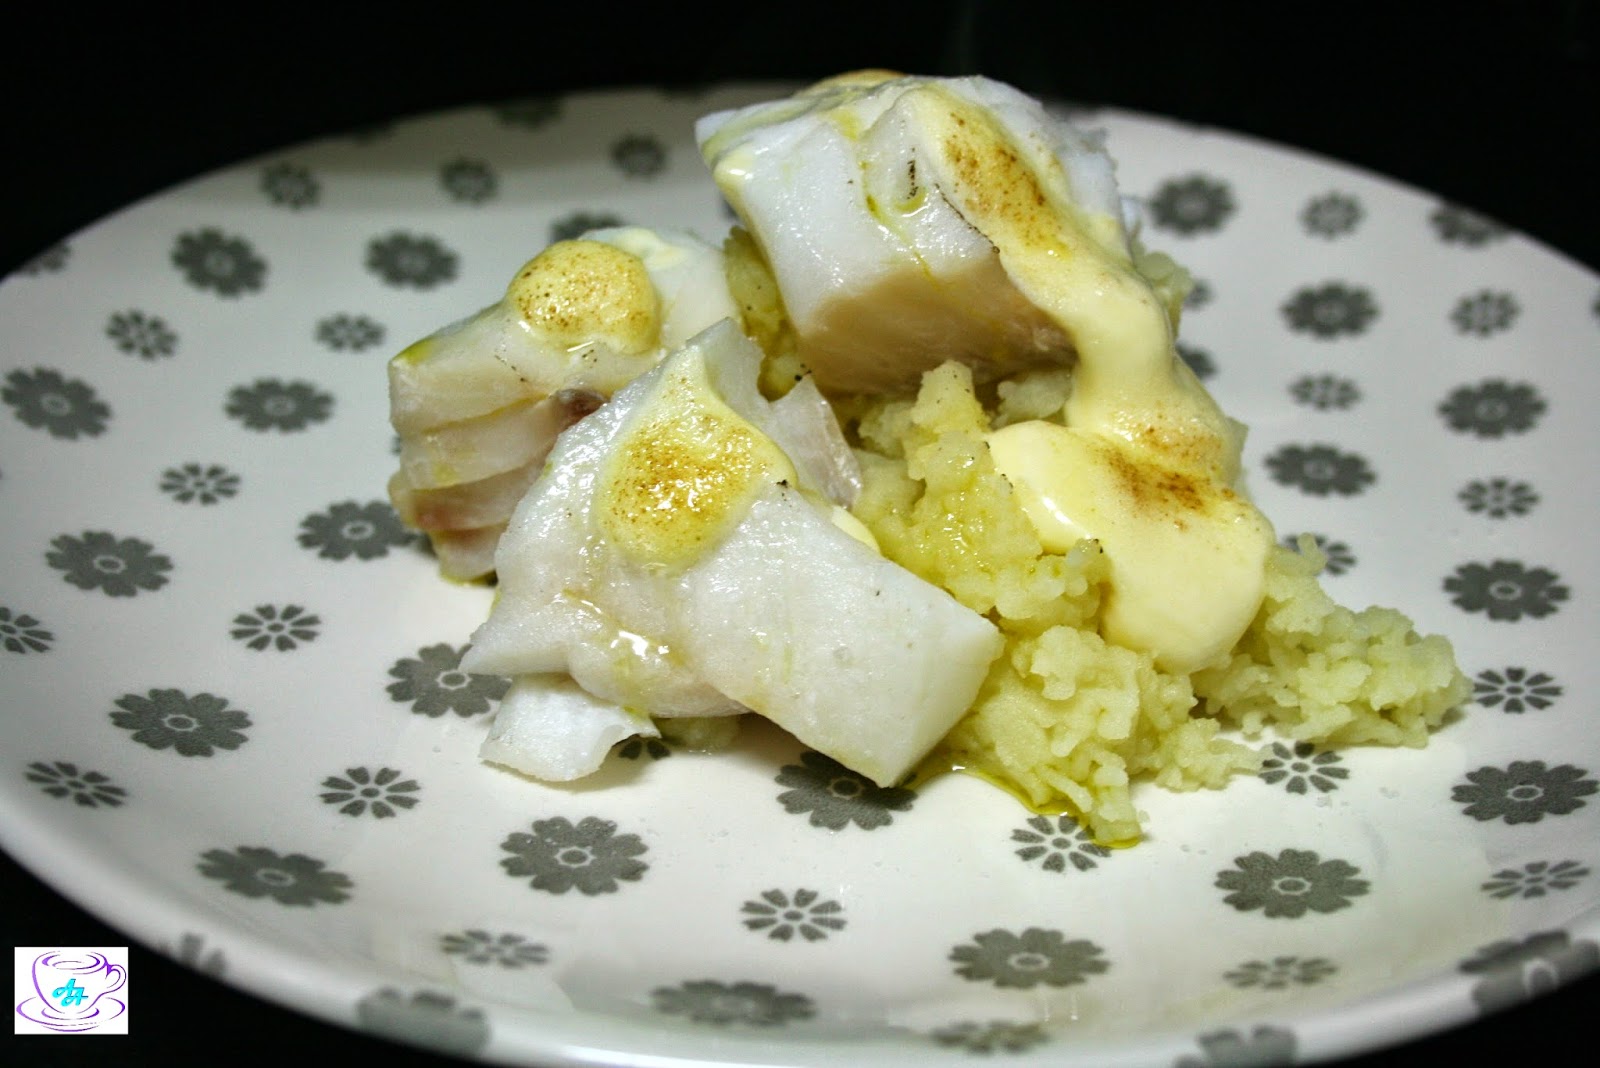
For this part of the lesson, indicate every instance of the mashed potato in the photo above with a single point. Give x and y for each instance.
(1069, 722)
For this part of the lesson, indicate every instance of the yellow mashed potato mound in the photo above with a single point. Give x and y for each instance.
(1065, 720)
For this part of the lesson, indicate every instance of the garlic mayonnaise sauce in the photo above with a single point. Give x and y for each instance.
(1142, 459)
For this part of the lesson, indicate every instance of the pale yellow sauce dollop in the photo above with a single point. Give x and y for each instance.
(684, 473)
(1145, 463)
(578, 292)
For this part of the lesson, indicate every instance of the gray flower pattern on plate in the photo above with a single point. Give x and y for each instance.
(1514, 971)
(1320, 470)
(1197, 204)
(411, 261)
(1535, 879)
(22, 633)
(1279, 973)
(1524, 791)
(1199, 360)
(1058, 844)
(1333, 309)
(835, 797)
(350, 529)
(1301, 768)
(1338, 557)
(193, 951)
(638, 748)
(270, 626)
(66, 408)
(1498, 498)
(1264, 1046)
(370, 132)
(639, 156)
(117, 567)
(1325, 392)
(1289, 885)
(1457, 225)
(290, 185)
(434, 683)
(362, 791)
(1485, 313)
(194, 483)
(141, 334)
(1506, 590)
(468, 181)
(1200, 295)
(991, 1036)
(194, 726)
(292, 879)
(477, 946)
(1331, 215)
(1035, 957)
(51, 261)
(711, 1001)
(88, 789)
(580, 223)
(1493, 408)
(349, 333)
(589, 856)
(273, 404)
(783, 915)
(532, 112)
(1515, 689)
(427, 1018)
(224, 264)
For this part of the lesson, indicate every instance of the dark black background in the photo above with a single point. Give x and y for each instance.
(1493, 106)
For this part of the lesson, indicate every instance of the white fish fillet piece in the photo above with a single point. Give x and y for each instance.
(549, 727)
(909, 221)
(492, 359)
(845, 188)
(470, 450)
(804, 426)
(466, 506)
(467, 554)
(484, 398)
(786, 614)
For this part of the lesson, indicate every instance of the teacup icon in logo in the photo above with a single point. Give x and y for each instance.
(75, 989)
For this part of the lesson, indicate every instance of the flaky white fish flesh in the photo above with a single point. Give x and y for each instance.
(477, 405)
(873, 198)
(549, 727)
(780, 608)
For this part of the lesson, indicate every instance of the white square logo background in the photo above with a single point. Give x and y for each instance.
(26, 1004)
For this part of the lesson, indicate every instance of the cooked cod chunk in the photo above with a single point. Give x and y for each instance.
(589, 313)
(868, 194)
(687, 553)
(549, 727)
(478, 404)
(909, 221)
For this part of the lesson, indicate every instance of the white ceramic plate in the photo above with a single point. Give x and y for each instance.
(233, 725)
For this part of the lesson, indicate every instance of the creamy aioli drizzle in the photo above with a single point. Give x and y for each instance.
(685, 472)
(1146, 461)
(1142, 460)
